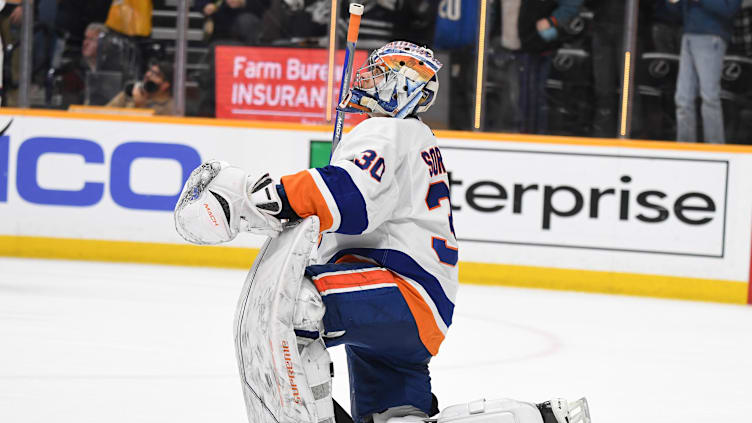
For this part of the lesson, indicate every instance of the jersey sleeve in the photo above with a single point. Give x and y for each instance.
(357, 192)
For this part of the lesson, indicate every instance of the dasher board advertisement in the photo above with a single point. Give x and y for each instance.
(646, 218)
(593, 201)
(602, 208)
(278, 84)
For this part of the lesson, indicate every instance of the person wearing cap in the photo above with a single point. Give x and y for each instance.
(154, 91)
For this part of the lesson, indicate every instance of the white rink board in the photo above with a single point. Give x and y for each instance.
(679, 213)
(718, 249)
(267, 150)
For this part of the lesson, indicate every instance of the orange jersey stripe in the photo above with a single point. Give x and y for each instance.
(306, 199)
(350, 280)
(428, 330)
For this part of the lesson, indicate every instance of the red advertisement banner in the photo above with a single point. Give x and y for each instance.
(279, 84)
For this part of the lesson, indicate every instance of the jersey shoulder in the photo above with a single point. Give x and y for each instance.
(390, 125)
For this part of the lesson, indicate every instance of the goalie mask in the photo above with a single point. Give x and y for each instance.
(398, 80)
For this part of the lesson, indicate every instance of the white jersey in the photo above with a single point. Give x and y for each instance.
(385, 199)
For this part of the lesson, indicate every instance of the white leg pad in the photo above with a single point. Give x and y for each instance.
(401, 414)
(309, 308)
(503, 410)
(405, 419)
(279, 370)
(317, 364)
(317, 368)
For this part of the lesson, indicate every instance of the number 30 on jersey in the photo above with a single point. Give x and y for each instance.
(368, 158)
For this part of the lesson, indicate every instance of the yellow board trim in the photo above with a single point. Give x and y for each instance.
(605, 282)
(476, 273)
(124, 251)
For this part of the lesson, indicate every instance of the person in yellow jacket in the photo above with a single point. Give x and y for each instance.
(130, 17)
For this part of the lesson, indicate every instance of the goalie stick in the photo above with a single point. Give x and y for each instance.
(353, 26)
(7, 125)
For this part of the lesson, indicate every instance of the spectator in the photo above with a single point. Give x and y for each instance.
(229, 22)
(530, 30)
(707, 31)
(606, 43)
(94, 31)
(741, 39)
(2, 56)
(665, 28)
(737, 79)
(72, 24)
(388, 20)
(74, 16)
(607, 53)
(130, 17)
(129, 22)
(296, 22)
(456, 34)
(44, 34)
(233, 20)
(75, 76)
(154, 91)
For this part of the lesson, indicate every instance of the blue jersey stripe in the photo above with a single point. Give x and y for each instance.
(405, 265)
(349, 199)
(307, 334)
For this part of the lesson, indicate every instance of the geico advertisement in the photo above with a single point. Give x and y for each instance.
(591, 201)
(120, 180)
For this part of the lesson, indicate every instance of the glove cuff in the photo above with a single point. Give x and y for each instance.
(263, 195)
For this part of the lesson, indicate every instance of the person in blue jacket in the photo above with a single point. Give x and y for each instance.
(707, 31)
(531, 30)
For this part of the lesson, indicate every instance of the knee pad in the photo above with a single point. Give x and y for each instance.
(308, 311)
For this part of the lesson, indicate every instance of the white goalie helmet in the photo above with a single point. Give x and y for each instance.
(398, 80)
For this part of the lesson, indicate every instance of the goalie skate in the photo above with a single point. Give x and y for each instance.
(509, 411)
(558, 410)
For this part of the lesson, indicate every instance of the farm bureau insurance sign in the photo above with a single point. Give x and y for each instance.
(280, 84)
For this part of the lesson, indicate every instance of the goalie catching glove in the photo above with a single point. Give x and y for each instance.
(219, 200)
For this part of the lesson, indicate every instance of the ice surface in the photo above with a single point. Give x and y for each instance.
(101, 342)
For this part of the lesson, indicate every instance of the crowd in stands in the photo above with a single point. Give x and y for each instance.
(87, 52)
(557, 69)
(553, 66)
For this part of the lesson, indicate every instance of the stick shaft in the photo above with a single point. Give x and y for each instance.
(353, 27)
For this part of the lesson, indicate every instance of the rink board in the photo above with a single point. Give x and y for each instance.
(642, 218)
